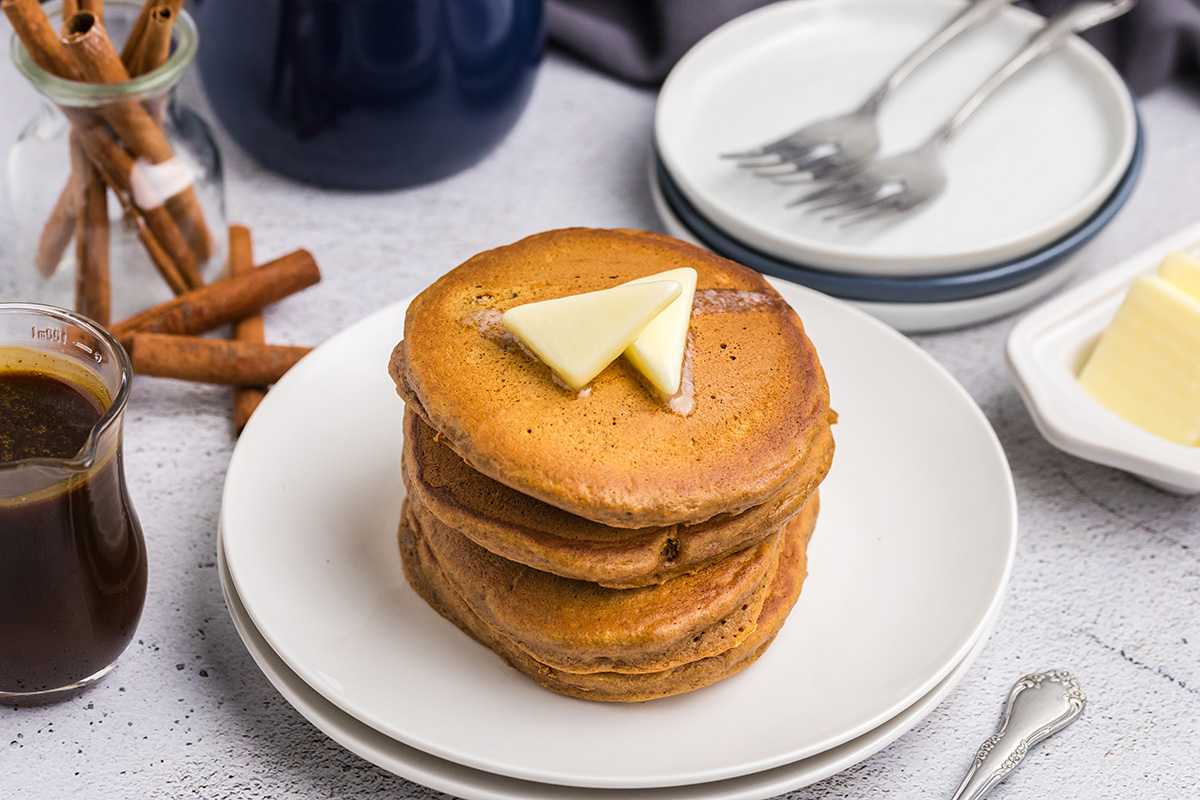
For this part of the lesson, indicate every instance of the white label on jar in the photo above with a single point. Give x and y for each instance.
(154, 184)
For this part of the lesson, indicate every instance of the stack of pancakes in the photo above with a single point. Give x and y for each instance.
(606, 543)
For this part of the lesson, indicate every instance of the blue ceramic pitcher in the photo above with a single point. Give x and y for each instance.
(369, 94)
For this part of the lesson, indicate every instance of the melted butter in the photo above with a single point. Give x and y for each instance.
(683, 402)
(560, 383)
(720, 301)
(489, 323)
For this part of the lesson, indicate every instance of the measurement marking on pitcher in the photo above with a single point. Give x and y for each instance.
(55, 335)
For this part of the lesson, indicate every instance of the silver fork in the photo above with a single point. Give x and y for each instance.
(904, 181)
(842, 145)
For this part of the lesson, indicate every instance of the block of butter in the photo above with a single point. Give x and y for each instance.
(1183, 271)
(579, 335)
(1146, 365)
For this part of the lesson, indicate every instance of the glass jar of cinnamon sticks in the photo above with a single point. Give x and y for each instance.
(116, 187)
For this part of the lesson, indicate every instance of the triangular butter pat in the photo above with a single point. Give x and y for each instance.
(579, 335)
(658, 352)
(1183, 272)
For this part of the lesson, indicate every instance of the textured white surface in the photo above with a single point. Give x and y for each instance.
(1106, 580)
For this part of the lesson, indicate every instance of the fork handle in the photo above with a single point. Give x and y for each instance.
(1057, 30)
(974, 14)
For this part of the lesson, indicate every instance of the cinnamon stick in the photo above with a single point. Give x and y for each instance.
(192, 358)
(59, 228)
(71, 7)
(97, 61)
(224, 301)
(137, 33)
(92, 285)
(155, 228)
(149, 42)
(158, 255)
(155, 45)
(34, 30)
(249, 329)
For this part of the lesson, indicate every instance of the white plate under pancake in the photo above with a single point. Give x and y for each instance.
(908, 563)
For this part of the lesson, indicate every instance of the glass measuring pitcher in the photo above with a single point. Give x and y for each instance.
(72, 556)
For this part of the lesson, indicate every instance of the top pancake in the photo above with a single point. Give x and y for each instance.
(615, 453)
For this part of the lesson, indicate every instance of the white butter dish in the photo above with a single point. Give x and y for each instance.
(1047, 349)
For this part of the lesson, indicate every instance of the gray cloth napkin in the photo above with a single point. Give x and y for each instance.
(640, 40)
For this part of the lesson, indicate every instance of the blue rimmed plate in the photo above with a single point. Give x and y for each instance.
(918, 289)
(1040, 157)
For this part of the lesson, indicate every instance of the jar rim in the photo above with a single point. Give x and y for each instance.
(64, 91)
(85, 458)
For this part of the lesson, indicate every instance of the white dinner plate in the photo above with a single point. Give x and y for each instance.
(916, 317)
(909, 560)
(1035, 161)
(472, 784)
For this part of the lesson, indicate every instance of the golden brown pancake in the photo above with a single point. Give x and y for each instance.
(614, 454)
(578, 626)
(426, 577)
(542, 536)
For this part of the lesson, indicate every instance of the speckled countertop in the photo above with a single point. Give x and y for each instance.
(1106, 580)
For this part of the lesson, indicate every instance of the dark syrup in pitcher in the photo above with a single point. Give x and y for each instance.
(72, 558)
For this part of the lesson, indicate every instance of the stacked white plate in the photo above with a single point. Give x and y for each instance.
(1040, 169)
(907, 570)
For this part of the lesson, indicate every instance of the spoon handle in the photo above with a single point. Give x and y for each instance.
(1039, 705)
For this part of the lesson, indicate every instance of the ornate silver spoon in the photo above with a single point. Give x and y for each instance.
(1039, 705)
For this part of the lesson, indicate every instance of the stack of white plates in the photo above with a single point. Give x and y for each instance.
(907, 566)
(1040, 169)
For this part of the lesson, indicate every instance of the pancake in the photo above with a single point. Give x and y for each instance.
(614, 454)
(787, 578)
(577, 626)
(542, 536)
